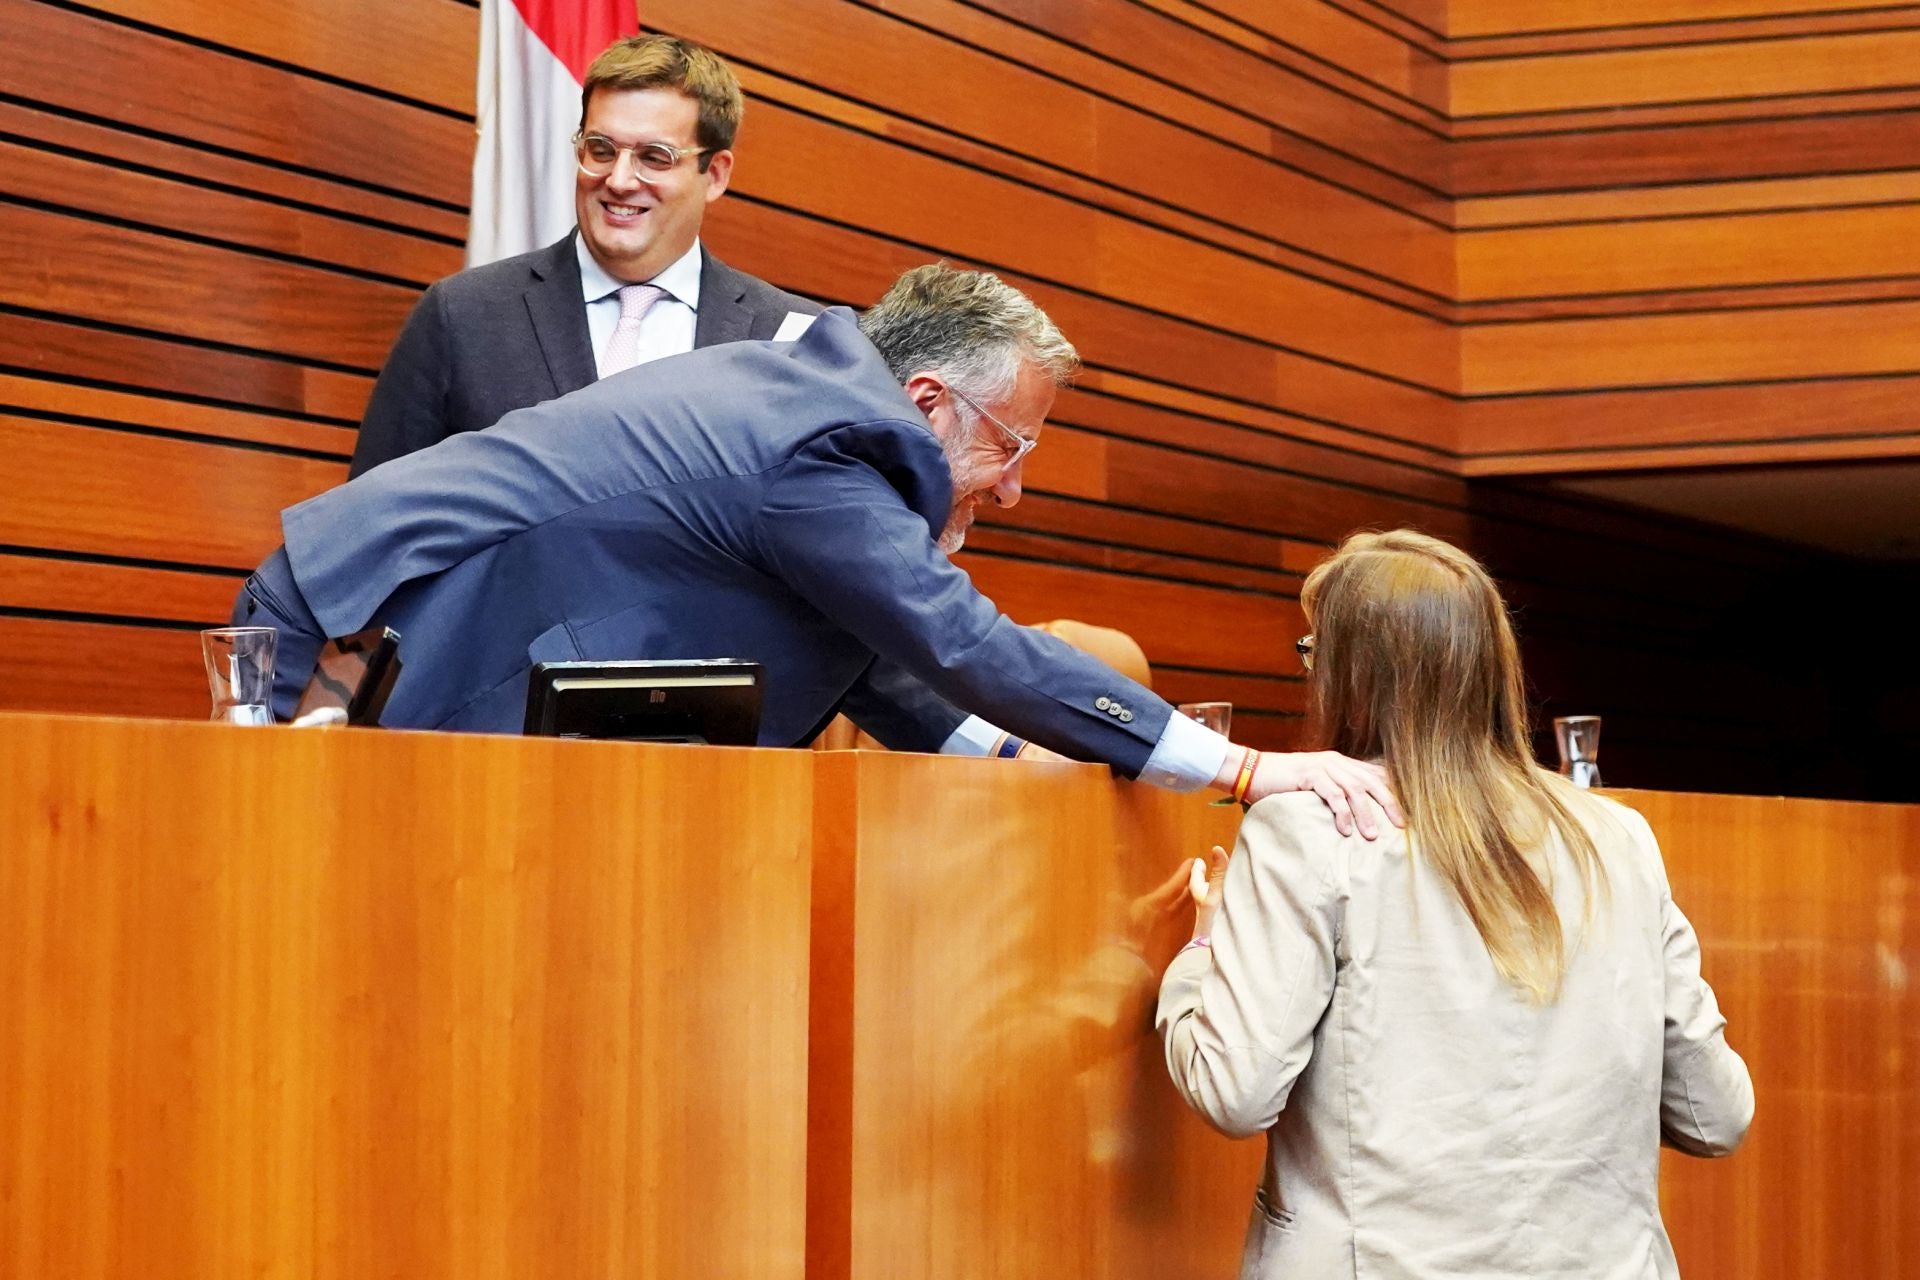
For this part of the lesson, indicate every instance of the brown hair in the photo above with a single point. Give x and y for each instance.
(667, 62)
(1415, 663)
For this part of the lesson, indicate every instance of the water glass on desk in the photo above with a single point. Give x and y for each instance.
(240, 673)
(1579, 740)
(1217, 716)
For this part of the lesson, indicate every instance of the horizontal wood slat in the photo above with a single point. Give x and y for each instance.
(1752, 414)
(1505, 17)
(1670, 34)
(164, 86)
(73, 349)
(103, 669)
(424, 52)
(74, 185)
(200, 291)
(1809, 342)
(1691, 253)
(1744, 150)
(1815, 64)
(99, 405)
(44, 584)
(1851, 190)
(201, 166)
(123, 494)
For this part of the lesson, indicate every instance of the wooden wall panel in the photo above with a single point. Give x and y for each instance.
(1244, 215)
(211, 225)
(1686, 237)
(191, 93)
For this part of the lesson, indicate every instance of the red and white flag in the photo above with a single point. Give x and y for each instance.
(534, 56)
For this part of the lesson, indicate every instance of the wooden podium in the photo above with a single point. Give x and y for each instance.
(334, 1003)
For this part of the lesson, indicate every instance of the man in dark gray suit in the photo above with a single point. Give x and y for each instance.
(630, 283)
(792, 503)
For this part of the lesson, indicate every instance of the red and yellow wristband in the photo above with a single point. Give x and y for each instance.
(1244, 779)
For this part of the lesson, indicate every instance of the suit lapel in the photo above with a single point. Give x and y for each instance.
(724, 316)
(558, 311)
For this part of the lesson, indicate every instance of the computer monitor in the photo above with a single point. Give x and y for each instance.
(714, 701)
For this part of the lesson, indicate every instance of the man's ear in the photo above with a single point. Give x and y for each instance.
(927, 390)
(719, 172)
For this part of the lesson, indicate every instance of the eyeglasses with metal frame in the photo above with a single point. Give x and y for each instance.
(1019, 444)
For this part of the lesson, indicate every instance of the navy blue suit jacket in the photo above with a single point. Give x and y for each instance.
(495, 338)
(762, 500)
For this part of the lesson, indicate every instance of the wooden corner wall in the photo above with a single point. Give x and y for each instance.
(1327, 260)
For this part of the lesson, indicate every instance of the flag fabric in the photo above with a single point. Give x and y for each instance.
(534, 56)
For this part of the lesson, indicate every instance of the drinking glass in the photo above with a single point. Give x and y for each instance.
(1579, 739)
(240, 672)
(1217, 716)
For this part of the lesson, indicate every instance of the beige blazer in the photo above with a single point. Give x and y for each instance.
(1422, 1117)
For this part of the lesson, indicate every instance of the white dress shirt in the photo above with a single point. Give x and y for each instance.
(667, 329)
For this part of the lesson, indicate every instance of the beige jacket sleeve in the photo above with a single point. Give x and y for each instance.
(1237, 1018)
(1706, 1093)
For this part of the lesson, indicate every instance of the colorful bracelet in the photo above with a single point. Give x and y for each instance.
(1248, 763)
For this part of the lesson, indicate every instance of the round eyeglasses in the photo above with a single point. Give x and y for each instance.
(597, 155)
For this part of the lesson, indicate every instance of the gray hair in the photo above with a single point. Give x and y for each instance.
(970, 327)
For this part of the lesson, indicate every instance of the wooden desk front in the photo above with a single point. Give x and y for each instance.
(350, 1004)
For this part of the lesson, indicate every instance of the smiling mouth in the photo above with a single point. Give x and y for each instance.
(623, 212)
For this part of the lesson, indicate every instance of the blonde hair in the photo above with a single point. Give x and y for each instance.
(1415, 663)
(665, 62)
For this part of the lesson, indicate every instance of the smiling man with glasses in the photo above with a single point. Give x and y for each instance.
(629, 284)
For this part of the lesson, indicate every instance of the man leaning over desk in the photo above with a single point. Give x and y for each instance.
(792, 503)
(630, 283)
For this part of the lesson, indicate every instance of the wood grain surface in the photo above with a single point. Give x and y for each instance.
(349, 1004)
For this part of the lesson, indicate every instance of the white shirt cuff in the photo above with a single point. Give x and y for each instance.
(1187, 757)
(974, 737)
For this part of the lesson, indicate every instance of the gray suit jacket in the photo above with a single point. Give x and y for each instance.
(1422, 1118)
(500, 337)
(776, 501)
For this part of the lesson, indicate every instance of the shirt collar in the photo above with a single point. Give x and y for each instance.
(681, 279)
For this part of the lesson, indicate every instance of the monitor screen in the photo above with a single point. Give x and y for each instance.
(714, 700)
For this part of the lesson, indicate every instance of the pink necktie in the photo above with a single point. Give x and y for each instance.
(623, 352)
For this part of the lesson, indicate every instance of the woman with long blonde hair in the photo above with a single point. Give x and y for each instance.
(1466, 1041)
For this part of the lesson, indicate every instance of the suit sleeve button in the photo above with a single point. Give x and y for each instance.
(1126, 717)
(1102, 702)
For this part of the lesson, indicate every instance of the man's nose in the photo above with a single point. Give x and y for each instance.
(1006, 492)
(625, 174)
